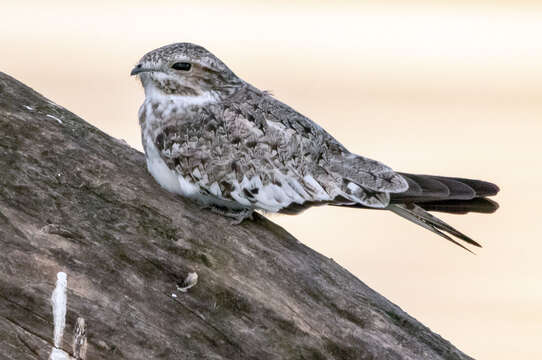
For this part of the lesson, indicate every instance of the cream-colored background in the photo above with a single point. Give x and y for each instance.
(451, 88)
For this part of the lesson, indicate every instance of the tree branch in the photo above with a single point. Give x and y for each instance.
(76, 200)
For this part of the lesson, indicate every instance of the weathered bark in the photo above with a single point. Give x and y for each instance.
(74, 199)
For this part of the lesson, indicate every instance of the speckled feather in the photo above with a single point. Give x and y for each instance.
(254, 150)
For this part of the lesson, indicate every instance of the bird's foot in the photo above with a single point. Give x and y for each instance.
(237, 216)
(240, 217)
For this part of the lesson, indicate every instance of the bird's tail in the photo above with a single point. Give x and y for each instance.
(445, 194)
(418, 215)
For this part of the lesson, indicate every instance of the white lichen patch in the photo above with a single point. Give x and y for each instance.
(190, 281)
(59, 301)
(54, 117)
(58, 354)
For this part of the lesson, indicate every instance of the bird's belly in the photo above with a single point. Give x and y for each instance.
(167, 178)
(176, 183)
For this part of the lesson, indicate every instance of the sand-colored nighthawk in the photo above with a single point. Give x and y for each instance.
(214, 138)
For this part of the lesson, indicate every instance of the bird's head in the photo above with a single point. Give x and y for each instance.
(185, 69)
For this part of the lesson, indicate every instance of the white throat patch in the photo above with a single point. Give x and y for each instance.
(152, 94)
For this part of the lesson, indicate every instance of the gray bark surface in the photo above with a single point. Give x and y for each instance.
(74, 199)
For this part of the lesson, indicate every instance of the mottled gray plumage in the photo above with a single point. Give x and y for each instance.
(212, 137)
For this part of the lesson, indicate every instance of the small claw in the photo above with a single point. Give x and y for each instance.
(236, 216)
(242, 217)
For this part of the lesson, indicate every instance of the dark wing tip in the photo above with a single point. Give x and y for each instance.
(482, 188)
(478, 205)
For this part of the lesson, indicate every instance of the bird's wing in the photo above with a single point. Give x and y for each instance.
(259, 152)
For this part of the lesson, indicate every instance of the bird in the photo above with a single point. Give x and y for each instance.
(214, 138)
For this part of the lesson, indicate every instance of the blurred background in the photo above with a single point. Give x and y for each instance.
(450, 88)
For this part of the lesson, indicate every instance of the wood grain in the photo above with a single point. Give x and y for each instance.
(74, 199)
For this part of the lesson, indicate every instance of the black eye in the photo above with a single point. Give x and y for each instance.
(184, 66)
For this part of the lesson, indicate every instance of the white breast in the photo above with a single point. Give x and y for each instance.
(166, 177)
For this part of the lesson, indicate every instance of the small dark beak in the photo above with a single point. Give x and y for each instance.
(139, 69)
